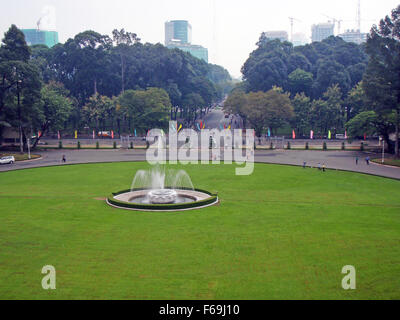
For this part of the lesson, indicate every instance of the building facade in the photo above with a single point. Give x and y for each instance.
(322, 31)
(178, 34)
(281, 35)
(35, 36)
(299, 39)
(354, 36)
(178, 30)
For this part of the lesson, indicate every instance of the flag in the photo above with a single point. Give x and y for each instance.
(39, 134)
(294, 135)
(329, 135)
(198, 127)
(59, 136)
(311, 134)
(201, 125)
(224, 126)
(135, 133)
(365, 136)
(220, 126)
(162, 133)
(112, 134)
(204, 125)
(229, 127)
(93, 135)
(269, 132)
(345, 134)
(76, 134)
(180, 128)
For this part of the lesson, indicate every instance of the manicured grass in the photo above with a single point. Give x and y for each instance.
(389, 162)
(281, 233)
(19, 156)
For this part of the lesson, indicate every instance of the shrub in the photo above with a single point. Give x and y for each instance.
(307, 146)
(78, 145)
(362, 146)
(147, 145)
(289, 146)
(60, 145)
(271, 146)
(97, 145)
(114, 145)
(131, 145)
(343, 146)
(324, 146)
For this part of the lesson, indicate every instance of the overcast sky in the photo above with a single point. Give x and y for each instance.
(228, 28)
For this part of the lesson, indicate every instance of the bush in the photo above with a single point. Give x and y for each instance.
(362, 146)
(114, 145)
(324, 146)
(307, 146)
(271, 146)
(147, 145)
(97, 145)
(79, 145)
(60, 145)
(289, 146)
(343, 146)
(131, 145)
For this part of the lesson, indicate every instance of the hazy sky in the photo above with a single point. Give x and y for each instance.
(228, 28)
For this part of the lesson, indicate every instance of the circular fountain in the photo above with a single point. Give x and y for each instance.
(159, 189)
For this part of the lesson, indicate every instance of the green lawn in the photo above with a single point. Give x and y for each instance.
(19, 156)
(281, 233)
(389, 162)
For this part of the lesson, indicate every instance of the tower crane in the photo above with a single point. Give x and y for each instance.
(292, 20)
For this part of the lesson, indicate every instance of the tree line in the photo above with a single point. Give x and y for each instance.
(329, 86)
(101, 82)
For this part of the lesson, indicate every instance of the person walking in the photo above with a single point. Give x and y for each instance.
(319, 166)
(356, 161)
(304, 164)
(64, 159)
(367, 159)
(324, 167)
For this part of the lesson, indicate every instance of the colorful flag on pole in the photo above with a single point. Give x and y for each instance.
(180, 128)
(229, 127)
(365, 136)
(269, 132)
(293, 135)
(39, 134)
(135, 133)
(59, 136)
(112, 134)
(329, 135)
(345, 134)
(311, 134)
(198, 127)
(225, 126)
(94, 137)
(204, 125)
(201, 125)
(220, 126)
(76, 134)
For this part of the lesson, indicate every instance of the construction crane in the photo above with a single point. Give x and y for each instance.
(38, 24)
(334, 20)
(292, 25)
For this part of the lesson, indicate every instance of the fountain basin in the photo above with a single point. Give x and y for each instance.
(149, 200)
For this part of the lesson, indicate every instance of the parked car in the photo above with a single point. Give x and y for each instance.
(104, 134)
(7, 160)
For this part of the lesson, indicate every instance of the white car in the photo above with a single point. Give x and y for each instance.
(7, 160)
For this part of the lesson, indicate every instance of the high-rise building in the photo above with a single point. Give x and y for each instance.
(35, 36)
(281, 35)
(178, 30)
(299, 39)
(322, 31)
(354, 36)
(178, 34)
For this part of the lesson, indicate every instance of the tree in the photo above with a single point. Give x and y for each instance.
(98, 110)
(355, 101)
(54, 108)
(300, 81)
(333, 97)
(302, 109)
(123, 39)
(363, 123)
(381, 81)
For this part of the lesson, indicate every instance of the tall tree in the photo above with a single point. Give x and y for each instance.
(381, 80)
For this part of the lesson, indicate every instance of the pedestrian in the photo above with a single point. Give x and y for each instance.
(324, 167)
(367, 160)
(304, 164)
(319, 166)
(64, 159)
(356, 161)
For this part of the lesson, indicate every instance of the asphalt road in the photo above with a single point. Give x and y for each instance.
(343, 160)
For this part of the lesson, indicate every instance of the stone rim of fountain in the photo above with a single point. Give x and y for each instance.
(201, 199)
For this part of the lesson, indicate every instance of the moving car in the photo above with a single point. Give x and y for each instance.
(7, 160)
